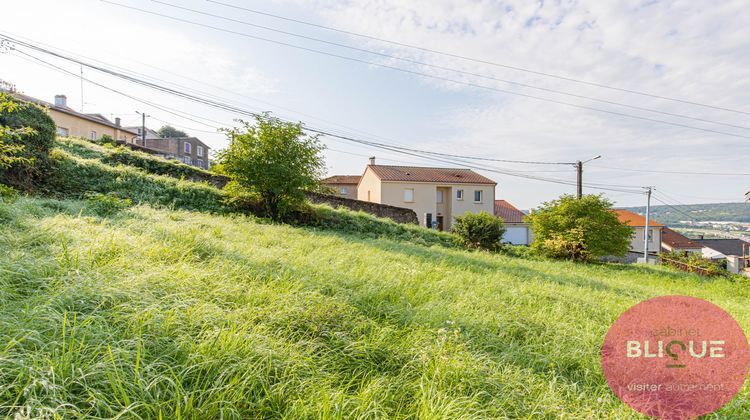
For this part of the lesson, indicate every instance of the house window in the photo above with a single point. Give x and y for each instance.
(344, 191)
(199, 150)
(92, 135)
(368, 195)
(477, 196)
(199, 162)
(187, 147)
(459, 194)
(409, 195)
(439, 196)
(62, 132)
(188, 160)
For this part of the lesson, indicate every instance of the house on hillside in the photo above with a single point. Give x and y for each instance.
(638, 223)
(344, 185)
(672, 241)
(71, 123)
(189, 150)
(516, 231)
(437, 195)
(150, 135)
(735, 251)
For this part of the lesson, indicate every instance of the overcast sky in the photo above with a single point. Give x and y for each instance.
(697, 51)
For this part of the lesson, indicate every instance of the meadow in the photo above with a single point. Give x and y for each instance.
(155, 312)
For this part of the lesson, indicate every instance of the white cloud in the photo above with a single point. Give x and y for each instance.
(697, 51)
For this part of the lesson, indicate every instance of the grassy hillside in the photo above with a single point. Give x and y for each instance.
(171, 314)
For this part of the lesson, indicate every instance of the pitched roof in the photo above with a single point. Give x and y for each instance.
(677, 241)
(424, 174)
(97, 118)
(508, 212)
(635, 220)
(342, 179)
(727, 246)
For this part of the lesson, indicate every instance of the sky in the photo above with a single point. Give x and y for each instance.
(697, 51)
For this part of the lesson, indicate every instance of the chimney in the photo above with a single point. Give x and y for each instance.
(61, 100)
(117, 121)
(372, 160)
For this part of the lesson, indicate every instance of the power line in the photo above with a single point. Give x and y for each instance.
(446, 79)
(675, 172)
(160, 107)
(393, 148)
(439, 67)
(476, 60)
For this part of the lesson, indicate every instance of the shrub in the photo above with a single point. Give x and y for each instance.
(106, 204)
(7, 194)
(570, 244)
(73, 177)
(276, 160)
(693, 262)
(107, 139)
(30, 133)
(479, 231)
(579, 229)
(151, 164)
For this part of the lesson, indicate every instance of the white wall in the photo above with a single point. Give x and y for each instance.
(654, 245)
(516, 235)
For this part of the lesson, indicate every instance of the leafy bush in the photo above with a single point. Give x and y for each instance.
(366, 225)
(693, 262)
(276, 160)
(570, 244)
(107, 139)
(73, 177)
(579, 229)
(106, 204)
(7, 194)
(479, 231)
(29, 132)
(151, 164)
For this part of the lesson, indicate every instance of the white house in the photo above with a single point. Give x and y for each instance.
(516, 231)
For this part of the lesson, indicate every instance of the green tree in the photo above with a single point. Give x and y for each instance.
(479, 230)
(579, 230)
(169, 131)
(275, 160)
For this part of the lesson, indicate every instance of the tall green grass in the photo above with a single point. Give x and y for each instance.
(154, 313)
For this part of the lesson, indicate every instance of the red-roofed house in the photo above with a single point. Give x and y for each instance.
(672, 241)
(516, 231)
(437, 195)
(344, 185)
(638, 223)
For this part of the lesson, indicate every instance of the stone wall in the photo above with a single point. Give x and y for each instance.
(397, 214)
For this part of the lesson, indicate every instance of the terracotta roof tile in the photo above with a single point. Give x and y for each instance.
(676, 240)
(342, 179)
(508, 212)
(424, 174)
(635, 220)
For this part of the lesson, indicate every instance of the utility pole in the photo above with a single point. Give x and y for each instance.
(143, 127)
(579, 171)
(648, 222)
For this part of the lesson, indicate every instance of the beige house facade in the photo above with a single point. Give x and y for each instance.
(343, 185)
(71, 123)
(437, 195)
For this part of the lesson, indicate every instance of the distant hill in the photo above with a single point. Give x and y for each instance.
(719, 212)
